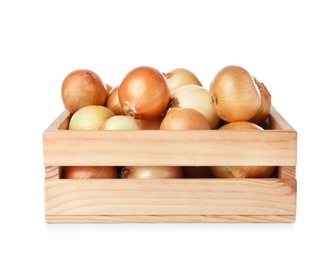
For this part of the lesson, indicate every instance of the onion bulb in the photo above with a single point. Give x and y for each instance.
(184, 119)
(151, 172)
(82, 88)
(234, 94)
(113, 102)
(180, 77)
(144, 93)
(89, 172)
(196, 97)
(153, 124)
(265, 108)
(90, 118)
(242, 171)
(120, 122)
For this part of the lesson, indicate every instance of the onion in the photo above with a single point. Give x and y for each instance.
(108, 87)
(234, 94)
(144, 93)
(180, 77)
(184, 119)
(197, 172)
(120, 122)
(89, 172)
(265, 107)
(90, 118)
(242, 171)
(196, 97)
(113, 102)
(151, 172)
(153, 124)
(82, 88)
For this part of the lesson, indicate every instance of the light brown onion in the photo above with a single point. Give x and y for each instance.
(180, 77)
(120, 122)
(196, 97)
(265, 107)
(89, 172)
(144, 93)
(184, 119)
(113, 102)
(82, 88)
(242, 171)
(234, 94)
(90, 118)
(153, 124)
(151, 172)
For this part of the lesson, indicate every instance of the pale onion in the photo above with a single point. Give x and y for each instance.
(184, 119)
(153, 124)
(151, 172)
(180, 77)
(89, 172)
(113, 102)
(196, 97)
(265, 107)
(82, 88)
(120, 122)
(242, 171)
(144, 93)
(90, 118)
(234, 94)
(197, 172)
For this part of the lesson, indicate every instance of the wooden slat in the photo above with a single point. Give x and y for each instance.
(172, 219)
(170, 197)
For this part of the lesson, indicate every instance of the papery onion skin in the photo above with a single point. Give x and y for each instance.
(82, 88)
(242, 171)
(144, 93)
(153, 124)
(196, 97)
(89, 172)
(120, 122)
(90, 118)
(180, 77)
(184, 119)
(151, 172)
(265, 107)
(113, 102)
(234, 94)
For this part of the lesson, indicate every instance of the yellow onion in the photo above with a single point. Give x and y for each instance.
(120, 122)
(234, 94)
(89, 172)
(242, 171)
(196, 97)
(184, 119)
(197, 172)
(180, 77)
(144, 93)
(90, 118)
(151, 172)
(153, 124)
(265, 108)
(108, 87)
(113, 102)
(82, 88)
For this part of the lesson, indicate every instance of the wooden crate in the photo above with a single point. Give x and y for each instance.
(170, 200)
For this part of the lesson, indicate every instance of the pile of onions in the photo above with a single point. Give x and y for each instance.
(151, 172)
(184, 119)
(144, 93)
(90, 117)
(82, 88)
(242, 171)
(196, 97)
(89, 172)
(180, 77)
(234, 94)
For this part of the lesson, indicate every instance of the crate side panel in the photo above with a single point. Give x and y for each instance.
(171, 197)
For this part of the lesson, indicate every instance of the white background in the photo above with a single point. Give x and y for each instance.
(280, 42)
